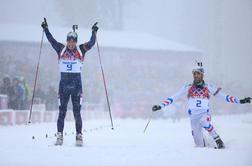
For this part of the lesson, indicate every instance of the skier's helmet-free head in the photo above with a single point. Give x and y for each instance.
(72, 36)
(71, 40)
(16, 80)
(6, 80)
(198, 74)
(199, 68)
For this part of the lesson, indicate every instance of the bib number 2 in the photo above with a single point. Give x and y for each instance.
(198, 103)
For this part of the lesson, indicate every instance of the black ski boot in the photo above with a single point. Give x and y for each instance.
(79, 140)
(59, 140)
(219, 143)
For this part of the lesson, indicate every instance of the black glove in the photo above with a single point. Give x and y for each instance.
(95, 27)
(44, 24)
(245, 100)
(156, 108)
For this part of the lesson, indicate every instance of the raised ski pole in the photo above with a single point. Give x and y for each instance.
(36, 75)
(104, 82)
(148, 122)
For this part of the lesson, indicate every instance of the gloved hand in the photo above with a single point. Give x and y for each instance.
(156, 108)
(95, 27)
(245, 100)
(44, 24)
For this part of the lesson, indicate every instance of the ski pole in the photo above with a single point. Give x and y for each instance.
(148, 122)
(104, 82)
(36, 75)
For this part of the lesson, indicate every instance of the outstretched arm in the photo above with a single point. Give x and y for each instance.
(170, 100)
(56, 45)
(179, 94)
(233, 99)
(228, 98)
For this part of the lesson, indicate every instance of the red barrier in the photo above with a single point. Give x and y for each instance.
(36, 117)
(21, 117)
(48, 117)
(11, 117)
(69, 116)
(6, 118)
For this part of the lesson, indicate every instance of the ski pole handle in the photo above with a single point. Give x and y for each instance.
(75, 27)
(94, 27)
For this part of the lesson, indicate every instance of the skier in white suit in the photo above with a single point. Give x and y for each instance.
(198, 94)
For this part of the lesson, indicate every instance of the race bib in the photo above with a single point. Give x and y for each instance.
(198, 103)
(70, 66)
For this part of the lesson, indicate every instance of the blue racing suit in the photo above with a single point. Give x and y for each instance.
(70, 63)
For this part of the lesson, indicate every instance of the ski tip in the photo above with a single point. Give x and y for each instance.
(95, 23)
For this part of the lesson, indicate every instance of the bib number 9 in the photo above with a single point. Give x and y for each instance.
(198, 103)
(69, 67)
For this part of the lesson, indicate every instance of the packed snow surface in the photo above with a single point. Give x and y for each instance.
(164, 143)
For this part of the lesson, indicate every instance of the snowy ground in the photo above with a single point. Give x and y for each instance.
(164, 143)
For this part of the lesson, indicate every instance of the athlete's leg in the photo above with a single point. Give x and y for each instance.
(197, 132)
(76, 100)
(64, 96)
(205, 122)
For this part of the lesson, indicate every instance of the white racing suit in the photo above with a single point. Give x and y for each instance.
(198, 108)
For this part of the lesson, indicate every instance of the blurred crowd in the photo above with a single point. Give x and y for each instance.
(19, 94)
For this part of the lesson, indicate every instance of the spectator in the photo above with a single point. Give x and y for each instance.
(19, 94)
(7, 89)
(27, 96)
(5, 85)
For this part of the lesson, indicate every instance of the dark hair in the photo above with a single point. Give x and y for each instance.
(72, 36)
